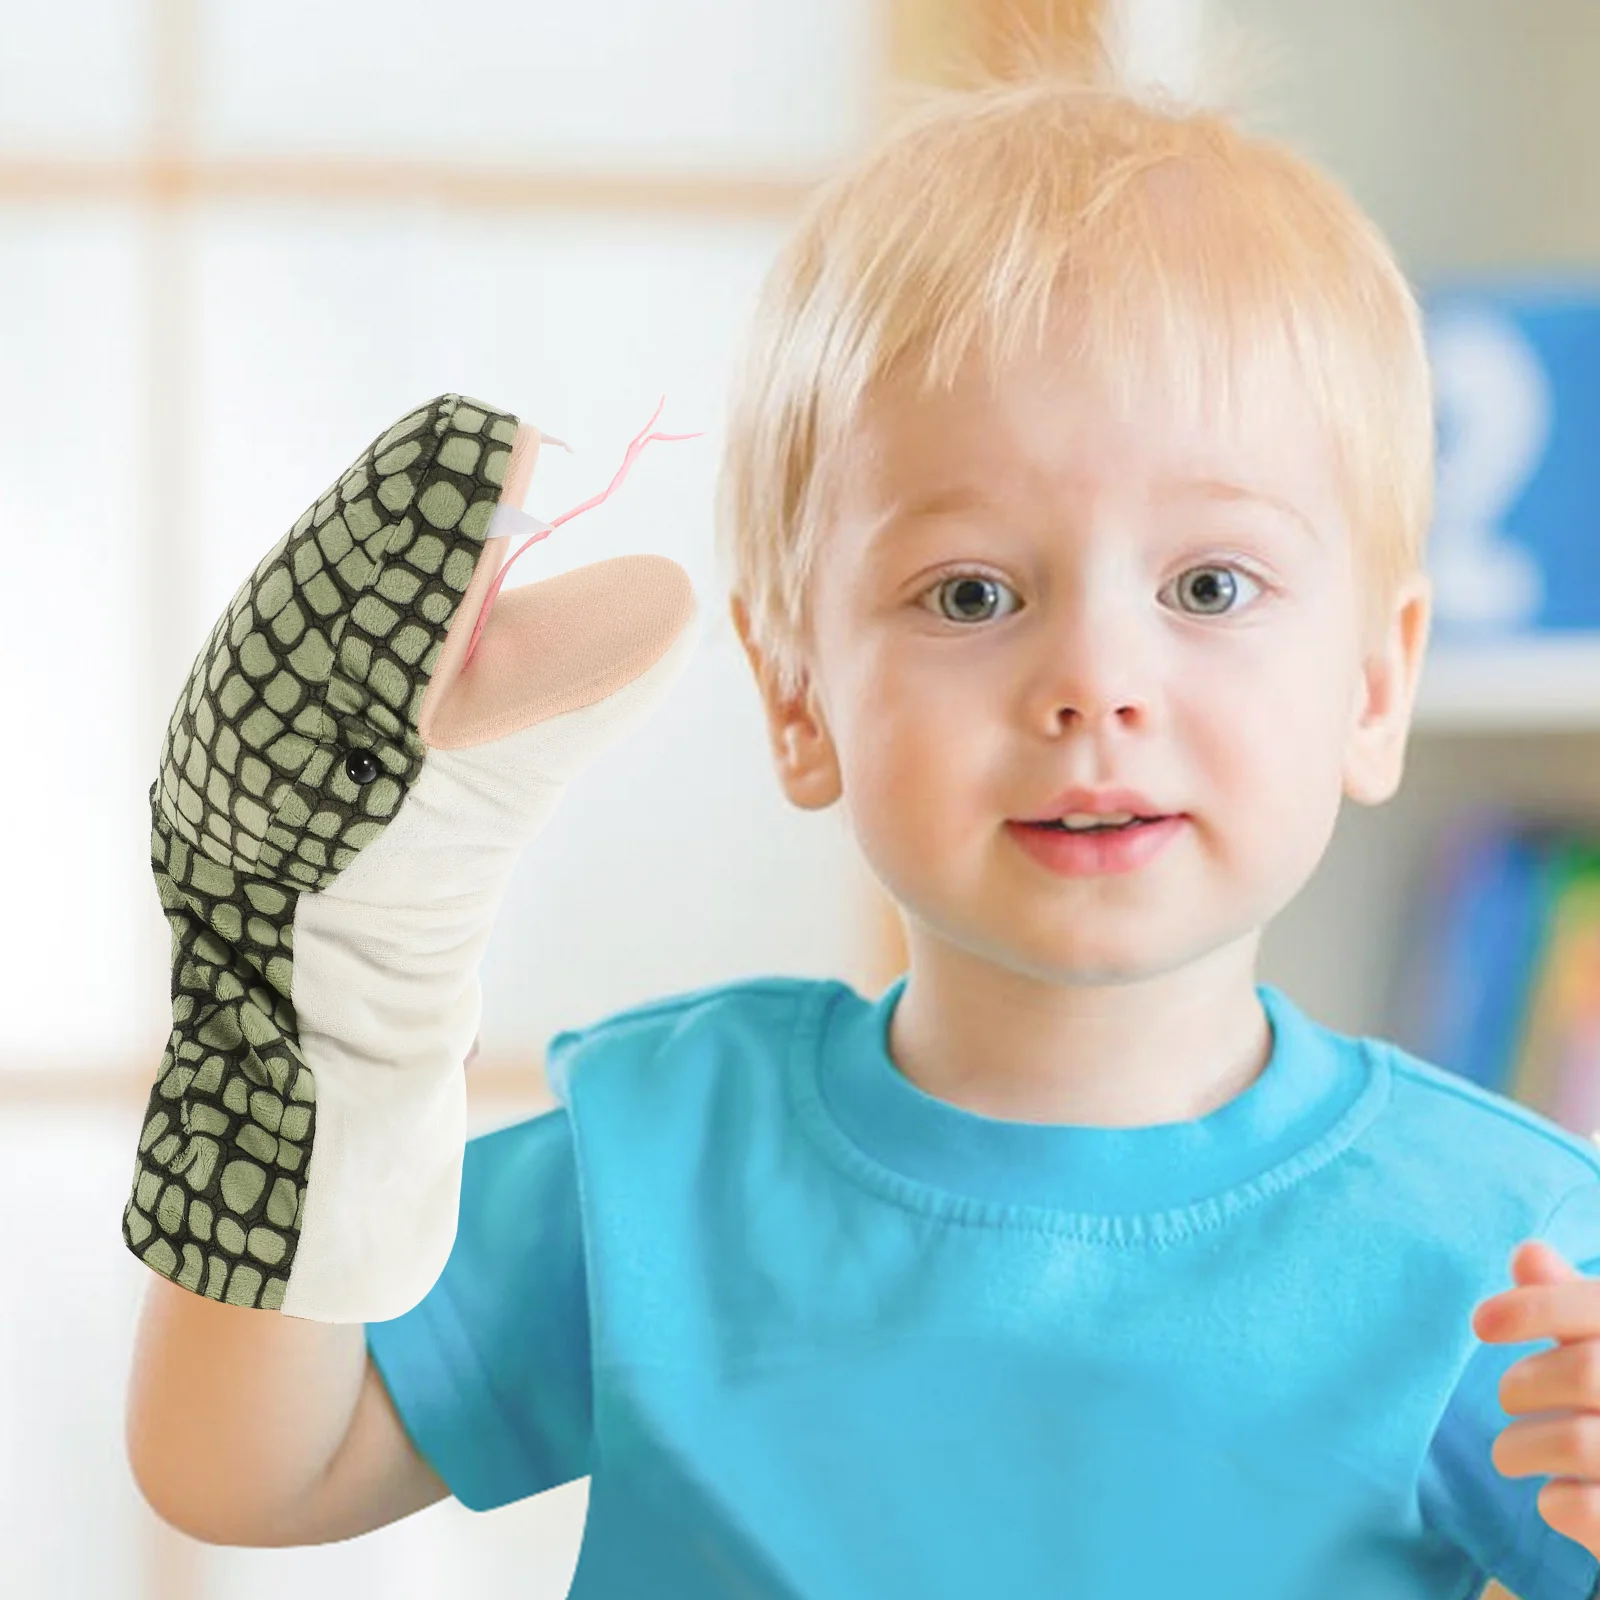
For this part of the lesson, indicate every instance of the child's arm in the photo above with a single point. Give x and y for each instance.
(249, 1428)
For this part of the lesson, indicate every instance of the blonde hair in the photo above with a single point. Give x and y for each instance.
(1180, 244)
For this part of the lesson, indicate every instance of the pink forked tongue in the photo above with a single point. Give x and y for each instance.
(644, 438)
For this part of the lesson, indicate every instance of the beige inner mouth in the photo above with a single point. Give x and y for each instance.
(549, 647)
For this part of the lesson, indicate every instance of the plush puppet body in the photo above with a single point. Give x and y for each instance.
(343, 792)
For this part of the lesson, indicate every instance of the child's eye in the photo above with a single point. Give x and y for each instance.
(971, 596)
(1210, 591)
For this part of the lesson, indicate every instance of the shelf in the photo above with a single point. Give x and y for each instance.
(1546, 684)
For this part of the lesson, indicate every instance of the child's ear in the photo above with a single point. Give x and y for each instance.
(802, 750)
(1375, 750)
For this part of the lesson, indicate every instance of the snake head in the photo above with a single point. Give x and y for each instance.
(340, 667)
(297, 737)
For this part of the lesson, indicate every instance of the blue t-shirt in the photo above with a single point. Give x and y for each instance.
(814, 1333)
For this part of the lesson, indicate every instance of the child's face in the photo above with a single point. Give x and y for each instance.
(1172, 606)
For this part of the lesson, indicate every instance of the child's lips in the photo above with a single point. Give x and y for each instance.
(1046, 822)
(1091, 852)
(1103, 800)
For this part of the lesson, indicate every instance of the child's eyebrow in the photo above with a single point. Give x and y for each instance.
(1224, 490)
(878, 546)
(971, 497)
(937, 503)
(961, 497)
(968, 496)
(884, 546)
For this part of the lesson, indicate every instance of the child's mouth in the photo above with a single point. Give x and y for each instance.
(1103, 827)
(1097, 848)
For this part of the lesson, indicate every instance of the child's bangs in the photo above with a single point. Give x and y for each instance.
(1167, 281)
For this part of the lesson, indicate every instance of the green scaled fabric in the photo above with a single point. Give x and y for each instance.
(291, 748)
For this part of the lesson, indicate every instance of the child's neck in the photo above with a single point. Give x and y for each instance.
(1002, 1043)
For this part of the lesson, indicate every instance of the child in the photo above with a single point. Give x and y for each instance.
(1078, 1263)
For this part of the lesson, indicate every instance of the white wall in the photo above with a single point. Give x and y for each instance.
(1467, 127)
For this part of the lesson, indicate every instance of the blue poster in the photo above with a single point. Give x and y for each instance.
(1515, 542)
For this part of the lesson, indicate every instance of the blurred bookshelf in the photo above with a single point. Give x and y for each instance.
(1540, 684)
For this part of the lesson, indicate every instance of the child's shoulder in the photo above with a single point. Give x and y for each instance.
(751, 1010)
(1496, 1129)
(739, 993)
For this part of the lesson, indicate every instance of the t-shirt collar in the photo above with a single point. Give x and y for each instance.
(1311, 1079)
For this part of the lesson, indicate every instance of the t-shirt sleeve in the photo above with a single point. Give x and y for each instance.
(1496, 1518)
(489, 1372)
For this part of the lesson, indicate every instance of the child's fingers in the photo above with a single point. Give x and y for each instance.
(1568, 1375)
(1572, 1506)
(1562, 1447)
(1540, 1311)
(1536, 1261)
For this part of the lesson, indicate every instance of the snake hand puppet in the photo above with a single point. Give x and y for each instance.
(367, 739)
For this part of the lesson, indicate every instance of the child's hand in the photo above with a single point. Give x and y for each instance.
(1552, 1300)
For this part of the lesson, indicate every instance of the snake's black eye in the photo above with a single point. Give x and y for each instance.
(360, 768)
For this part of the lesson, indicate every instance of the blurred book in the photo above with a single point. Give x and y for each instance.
(1500, 981)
